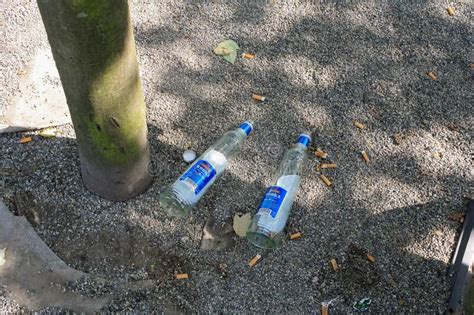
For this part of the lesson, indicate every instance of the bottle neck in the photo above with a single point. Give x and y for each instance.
(242, 132)
(301, 146)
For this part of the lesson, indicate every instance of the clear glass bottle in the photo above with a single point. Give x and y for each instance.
(180, 197)
(267, 225)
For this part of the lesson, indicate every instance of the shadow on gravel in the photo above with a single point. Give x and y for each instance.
(386, 87)
(379, 78)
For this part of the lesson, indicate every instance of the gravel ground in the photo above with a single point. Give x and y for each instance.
(321, 67)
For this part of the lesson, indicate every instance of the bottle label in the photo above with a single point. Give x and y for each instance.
(199, 175)
(272, 201)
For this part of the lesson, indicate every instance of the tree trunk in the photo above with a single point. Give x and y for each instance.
(94, 50)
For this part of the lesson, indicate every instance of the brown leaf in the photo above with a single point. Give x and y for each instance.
(398, 138)
(456, 216)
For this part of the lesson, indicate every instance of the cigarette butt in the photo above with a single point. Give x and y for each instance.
(365, 156)
(26, 139)
(332, 165)
(181, 276)
(359, 125)
(248, 56)
(432, 75)
(334, 265)
(450, 10)
(257, 97)
(254, 260)
(320, 153)
(326, 180)
(295, 236)
(370, 258)
(324, 309)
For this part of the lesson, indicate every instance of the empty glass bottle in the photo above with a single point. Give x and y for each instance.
(180, 197)
(267, 225)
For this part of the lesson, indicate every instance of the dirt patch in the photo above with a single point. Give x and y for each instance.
(358, 271)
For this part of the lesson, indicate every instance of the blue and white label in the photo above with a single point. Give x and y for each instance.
(272, 201)
(199, 175)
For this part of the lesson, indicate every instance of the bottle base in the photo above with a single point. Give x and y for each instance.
(171, 206)
(263, 241)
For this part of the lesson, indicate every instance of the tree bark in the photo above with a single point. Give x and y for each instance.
(94, 50)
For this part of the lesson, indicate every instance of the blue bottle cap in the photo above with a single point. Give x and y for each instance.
(247, 127)
(304, 139)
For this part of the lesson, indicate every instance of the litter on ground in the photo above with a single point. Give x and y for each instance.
(182, 276)
(295, 236)
(254, 260)
(258, 97)
(326, 180)
(248, 56)
(25, 139)
(365, 156)
(320, 153)
(325, 165)
(359, 125)
(432, 75)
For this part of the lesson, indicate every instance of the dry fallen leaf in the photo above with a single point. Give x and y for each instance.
(334, 265)
(457, 216)
(228, 50)
(48, 133)
(450, 10)
(2, 256)
(242, 224)
(453, 127)
(397, 138)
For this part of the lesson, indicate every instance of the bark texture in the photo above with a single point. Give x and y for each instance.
(94, 50)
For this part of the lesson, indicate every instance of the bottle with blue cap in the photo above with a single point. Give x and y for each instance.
(267, 225)
(180, 197)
